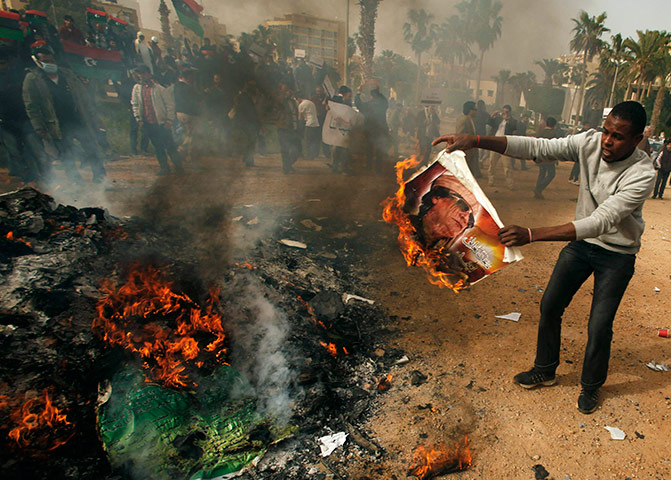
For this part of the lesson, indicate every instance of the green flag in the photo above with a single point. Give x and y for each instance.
(188, 12)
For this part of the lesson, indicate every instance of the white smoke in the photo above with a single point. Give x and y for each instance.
(259, 335)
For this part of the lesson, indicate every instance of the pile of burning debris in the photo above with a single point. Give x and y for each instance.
(85, 297)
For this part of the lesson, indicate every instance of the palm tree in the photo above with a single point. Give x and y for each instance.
(501, 79)
(420, 33)
(164, 14)
(553, 70)
(663, 70)
(644, 54)
(366, 38)
(613, 54)
(483, 22)
(522, 83)
(452, 42)
(587, 41)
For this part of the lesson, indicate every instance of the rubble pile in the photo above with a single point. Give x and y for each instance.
(299, 328)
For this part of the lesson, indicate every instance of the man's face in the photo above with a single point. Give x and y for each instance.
(68, 23)
(46, 58)
(617, 140)
(447, 218)
(473, 112)
(668, 146)
(319, 91)
(145, 77)
(506, 113)
(347, 97)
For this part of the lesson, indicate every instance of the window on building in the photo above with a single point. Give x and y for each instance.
(490, 93)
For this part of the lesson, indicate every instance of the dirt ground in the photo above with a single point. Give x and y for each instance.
(468, 355)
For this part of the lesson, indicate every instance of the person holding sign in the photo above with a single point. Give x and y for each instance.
(603, 239)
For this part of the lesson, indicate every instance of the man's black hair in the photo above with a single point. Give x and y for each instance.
(344, 89)
(444, 192)
(508, 107)
(468, 106)
(69, 17)
(632, 112)
(142, 69)
(551, 122)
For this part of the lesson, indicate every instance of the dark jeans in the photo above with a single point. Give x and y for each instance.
(612, 272)
(164, 145)
(68, 151)
(313, 140)
(660, 183)
(545, 176)
(289, 147)
(341, 159)
(134, 131)
(24, 151)
(575, 172)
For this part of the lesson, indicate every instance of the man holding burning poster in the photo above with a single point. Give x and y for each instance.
(604, 238)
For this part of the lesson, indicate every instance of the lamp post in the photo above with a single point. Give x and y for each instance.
(346, 70)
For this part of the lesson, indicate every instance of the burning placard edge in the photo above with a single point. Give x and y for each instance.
(455, 163)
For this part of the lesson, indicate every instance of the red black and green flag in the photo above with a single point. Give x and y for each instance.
(10, 30)
(188, 12)
(36, 16)
(96, 16)
(92, 62)
(117, 22)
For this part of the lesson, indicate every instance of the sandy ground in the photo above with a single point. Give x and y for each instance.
(468, 355)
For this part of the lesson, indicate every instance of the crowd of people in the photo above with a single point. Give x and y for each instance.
(186, 100)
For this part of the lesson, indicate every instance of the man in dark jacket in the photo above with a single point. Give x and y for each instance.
(246, 122)
(287, 128)
(663, 166)
(60, 111)
(187, 107)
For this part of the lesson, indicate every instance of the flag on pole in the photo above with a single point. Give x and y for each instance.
(95, 16)
(188, 12)
(92, 62)
(10, 30)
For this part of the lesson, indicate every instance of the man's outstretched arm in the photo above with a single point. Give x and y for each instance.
(461, 141)
(516, 236)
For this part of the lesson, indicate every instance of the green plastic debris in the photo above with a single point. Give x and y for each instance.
(150, 431)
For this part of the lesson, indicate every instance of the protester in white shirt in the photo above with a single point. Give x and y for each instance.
(307, 115)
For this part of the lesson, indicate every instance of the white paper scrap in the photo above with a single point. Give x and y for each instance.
(657, 290)
(330, 442)
(514, 316)
(616, 433)
(402, 360)
(237, 219)
(346, 297)
(293, 243)
(657, 367)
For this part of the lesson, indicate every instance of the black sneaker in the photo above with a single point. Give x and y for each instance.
(588, 401)
(533, 378)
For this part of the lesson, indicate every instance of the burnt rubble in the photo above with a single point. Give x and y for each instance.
(53, 259)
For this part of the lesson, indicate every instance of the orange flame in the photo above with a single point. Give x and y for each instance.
(385, 383)
(433, 460)
(431, 260)
(34, 417)
(10, 236)
(135, 315)
(331, 348)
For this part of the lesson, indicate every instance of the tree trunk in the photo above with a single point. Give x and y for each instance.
(165, 23)
(477, 86)
(367, 35)
(657, 108)
(627, 94)
(581, 105)
(419, 74)
(570, 110)
(503, 93)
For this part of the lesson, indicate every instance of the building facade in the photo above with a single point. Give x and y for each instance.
(319, 38)
(214, 30)
(129, 11)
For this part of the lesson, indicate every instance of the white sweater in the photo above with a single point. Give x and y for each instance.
(611, 195)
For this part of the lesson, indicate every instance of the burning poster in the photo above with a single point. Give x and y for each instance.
(340, 119)
(447, 224)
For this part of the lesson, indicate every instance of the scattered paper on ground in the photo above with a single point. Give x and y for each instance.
(293, 243)
(329, 443)
(657, 367)
(616, 433)
(348, 296)
(514, 316)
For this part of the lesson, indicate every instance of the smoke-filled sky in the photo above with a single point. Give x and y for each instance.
(532, 29)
